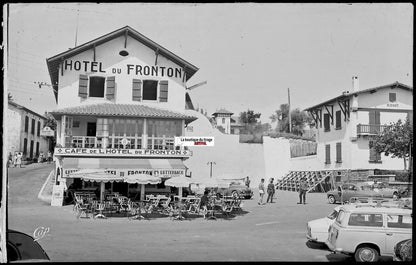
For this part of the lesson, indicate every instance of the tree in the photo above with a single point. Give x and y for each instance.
(298, 119)
(395, 140)
(249, 117)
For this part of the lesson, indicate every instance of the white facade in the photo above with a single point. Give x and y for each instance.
(17, 135)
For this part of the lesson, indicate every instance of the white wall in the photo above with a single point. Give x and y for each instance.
(229, 155)
(108, 54)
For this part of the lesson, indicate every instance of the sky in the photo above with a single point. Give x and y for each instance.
(250, 54)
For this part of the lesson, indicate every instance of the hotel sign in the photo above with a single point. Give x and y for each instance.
(47, 131)
(107, 152)
(162, 173)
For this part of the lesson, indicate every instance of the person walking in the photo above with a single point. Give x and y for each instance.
(261, 191)
(303, 188)
(248, 182)
(49, 157)
(270, 191)
(15, 160)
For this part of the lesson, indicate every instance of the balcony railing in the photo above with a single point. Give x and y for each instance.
(116, 142)
(370, 129)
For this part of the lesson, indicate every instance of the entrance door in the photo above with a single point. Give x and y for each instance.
(91, 129)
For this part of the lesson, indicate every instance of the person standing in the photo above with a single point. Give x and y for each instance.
(248, 182)
(303, 188)
(19, 160)
(15, 160)
(261, 191)
(270, 191)
(49, 157)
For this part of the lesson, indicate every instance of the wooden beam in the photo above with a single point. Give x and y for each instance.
(62, 66)
(331, 113)
(93, 49)
(125, 38)
(157, 55)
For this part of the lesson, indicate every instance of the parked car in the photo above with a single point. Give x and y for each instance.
(348, 190)
(403, 250)
(236, 189)
(22, 247)
(369, 231)
(317, 230)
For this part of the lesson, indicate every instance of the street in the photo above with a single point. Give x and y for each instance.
(271, 232)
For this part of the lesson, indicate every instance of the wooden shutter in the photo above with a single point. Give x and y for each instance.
(326, 122)
(111, 87)
(137, 90)
(338, 119)
(339, 153)
(83, 86)
(374, 156)
(327, 154)
(163, 95)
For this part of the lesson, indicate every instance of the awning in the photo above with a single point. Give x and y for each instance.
(164, 168)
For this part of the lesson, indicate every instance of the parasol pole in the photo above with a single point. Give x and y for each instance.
(142, 192)
(180, 192)
(102, 191)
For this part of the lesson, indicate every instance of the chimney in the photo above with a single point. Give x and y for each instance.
(355, 84)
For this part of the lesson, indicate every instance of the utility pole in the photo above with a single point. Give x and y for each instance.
(210, 172)
(290, 120)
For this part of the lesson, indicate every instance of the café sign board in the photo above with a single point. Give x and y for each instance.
(162, 173)
(107, 152)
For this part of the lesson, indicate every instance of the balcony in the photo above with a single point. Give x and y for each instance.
(370, 129)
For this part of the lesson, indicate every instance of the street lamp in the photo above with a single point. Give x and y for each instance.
(210, 172)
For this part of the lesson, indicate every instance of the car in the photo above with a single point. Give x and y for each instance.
(403, 250)
(317, 230)
(236, 189)
(368, 232)
(362, 189)
(23, 248)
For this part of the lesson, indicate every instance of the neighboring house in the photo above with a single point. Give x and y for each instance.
(222, 117)
(235, 125)
(121, 101)
(345, 126)
(24, 128)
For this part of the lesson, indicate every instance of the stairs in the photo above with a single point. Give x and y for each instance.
(317, 181)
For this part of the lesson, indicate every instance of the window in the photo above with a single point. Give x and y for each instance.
(149, 89)
(392, 97)
(399, 221)
(96, 86)
(365, 219)
(26, 124)
(37, 149)
(339, 153)
(338, 120)
(38, 128)
(374, 156)
(223, 120)
(24, 146)
(326, 122)
(327, 154)
(32, 131)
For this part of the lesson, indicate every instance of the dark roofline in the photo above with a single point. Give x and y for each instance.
(53, 62)
(26, 109)
(395, 85)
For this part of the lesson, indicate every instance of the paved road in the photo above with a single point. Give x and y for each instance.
(271, 232)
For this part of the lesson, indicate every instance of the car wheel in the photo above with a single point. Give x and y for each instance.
(395, 196)
(331, 199)
(234, 193)
(366, 254)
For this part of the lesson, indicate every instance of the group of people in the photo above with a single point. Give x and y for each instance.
(16, 160)
(271, 189)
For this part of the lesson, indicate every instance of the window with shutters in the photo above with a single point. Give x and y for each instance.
(327, 154)
(25, 146)
(392, 97)
(32, 131)
(339, 153)
(375, 157)
(26, 124)
(338, 120)
(150, 89)
(96, 86)
(38, 133)
(326, 123)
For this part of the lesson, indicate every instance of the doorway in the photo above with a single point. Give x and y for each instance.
(91, 129)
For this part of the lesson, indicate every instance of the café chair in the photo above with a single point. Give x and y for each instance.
(100, 209)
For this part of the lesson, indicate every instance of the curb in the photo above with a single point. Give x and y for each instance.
(40, 194)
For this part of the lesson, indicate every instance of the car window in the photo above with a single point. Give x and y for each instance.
(345, 187)
(340, 216)
(399, 221)
(363, 219)
(365, 187)
(333, 215)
